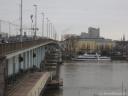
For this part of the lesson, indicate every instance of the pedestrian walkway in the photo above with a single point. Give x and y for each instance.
(31, 85)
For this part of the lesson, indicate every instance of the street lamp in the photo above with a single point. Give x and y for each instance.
(47, 27)
(21, 20)
(51, 30)
(49, 24)
(32, 29)
(43, 25)
(35, 19)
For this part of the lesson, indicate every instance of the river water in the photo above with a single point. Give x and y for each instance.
(92, 79)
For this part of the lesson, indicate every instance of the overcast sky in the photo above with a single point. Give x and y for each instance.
(73, 16)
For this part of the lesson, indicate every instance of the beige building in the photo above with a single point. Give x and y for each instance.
(92, 45)
(88, 42)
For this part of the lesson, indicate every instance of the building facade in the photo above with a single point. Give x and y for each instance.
(88, 42)
(94, 32)
(93, 45)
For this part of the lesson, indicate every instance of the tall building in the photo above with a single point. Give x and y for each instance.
(94, 32)
(84, 35)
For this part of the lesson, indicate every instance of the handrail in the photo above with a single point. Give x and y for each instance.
(7, 48)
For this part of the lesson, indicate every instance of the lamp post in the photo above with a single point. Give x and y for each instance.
(53, 31)
(47, 27)
(21, 20)
(35, 19)
(43, 24)
(32, 29)
(50, 33)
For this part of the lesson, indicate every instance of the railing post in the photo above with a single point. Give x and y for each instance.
(0, 26)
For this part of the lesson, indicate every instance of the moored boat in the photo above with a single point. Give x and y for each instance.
(88, 57)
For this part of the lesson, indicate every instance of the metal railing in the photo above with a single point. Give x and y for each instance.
(7, 48)
(8, 29)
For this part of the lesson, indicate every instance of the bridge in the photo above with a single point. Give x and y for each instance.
(28, 68)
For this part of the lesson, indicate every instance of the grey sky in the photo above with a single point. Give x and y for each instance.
(74, 15)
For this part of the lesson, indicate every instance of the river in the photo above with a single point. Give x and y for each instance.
(92, 78)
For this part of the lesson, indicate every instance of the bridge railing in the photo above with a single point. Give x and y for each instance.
(7, 48)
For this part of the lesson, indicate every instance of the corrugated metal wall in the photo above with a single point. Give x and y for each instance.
(14, 66)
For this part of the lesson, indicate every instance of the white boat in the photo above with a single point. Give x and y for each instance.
(88, 57)
(110, 94)
(104, 58)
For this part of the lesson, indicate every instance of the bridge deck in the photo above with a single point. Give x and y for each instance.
(7, 48)
(32, 85)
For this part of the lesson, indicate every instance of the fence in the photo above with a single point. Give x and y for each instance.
(6, 48)
(10, 29)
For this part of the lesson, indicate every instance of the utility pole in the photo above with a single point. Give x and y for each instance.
(50, 31)
(53, 32)
(35, 19)
(32, 27)
(21, 21)
(43, 25)
(47, 27)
